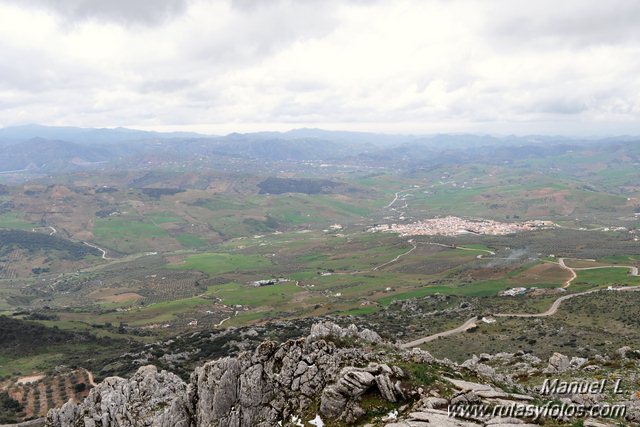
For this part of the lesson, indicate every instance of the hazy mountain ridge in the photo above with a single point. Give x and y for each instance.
(53, 149)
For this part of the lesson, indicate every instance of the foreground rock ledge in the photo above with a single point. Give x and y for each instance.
(337, 375)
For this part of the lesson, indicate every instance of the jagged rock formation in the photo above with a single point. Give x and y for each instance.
(340, 400)
(331, 330)
(559, 363)
(261, 388)
(148, 398)
(335, 374)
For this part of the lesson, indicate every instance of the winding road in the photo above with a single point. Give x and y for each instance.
(470, 323)
(574, 275)
(104, 253)
(553, 309)
(414, 246)
(462, 328)
(633, 270)
(397, 195)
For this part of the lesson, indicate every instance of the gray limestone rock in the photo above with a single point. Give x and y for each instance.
(149, 398)
(558, 363)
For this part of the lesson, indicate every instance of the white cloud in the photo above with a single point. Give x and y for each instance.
(409, 65)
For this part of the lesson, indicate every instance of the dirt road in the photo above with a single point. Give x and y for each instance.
(464, 327)
(550, 312)
(104, 253)
(414, 246)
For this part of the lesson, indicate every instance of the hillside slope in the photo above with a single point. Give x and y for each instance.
(338, 377)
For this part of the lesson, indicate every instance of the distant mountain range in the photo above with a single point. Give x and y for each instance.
(120, 134)
(57, 149)
(85, 135)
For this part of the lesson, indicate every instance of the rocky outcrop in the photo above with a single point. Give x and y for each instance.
(149, 398)
(325, 330)
(337, 375)
(559, 363)
(433, 411)
(269, 385)
(265, 387)
(340, 400)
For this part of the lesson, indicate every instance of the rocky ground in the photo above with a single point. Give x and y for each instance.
(345, 376)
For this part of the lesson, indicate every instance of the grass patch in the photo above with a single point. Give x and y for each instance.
(217, 263)
(237, 294)
(606, 276)
(163, 218)
(359, 311)
(190, 241)
(124, 228)
(12, 220)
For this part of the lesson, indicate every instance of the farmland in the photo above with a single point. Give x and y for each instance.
(155, 254)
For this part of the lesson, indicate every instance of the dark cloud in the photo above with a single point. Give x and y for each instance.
(146, 12)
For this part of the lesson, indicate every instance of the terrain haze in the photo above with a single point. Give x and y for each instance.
(308, 213)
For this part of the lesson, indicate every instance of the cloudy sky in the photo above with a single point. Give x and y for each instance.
(560, 66)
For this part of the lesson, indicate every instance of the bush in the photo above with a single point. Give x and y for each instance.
(9, 407)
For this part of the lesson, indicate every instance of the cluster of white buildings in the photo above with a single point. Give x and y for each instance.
(453, 225)
(513, 292)
(268, 282)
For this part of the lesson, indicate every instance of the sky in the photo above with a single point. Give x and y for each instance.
(569, 67)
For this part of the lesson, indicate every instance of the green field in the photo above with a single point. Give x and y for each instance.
(12, 220)
(190, 241)
(268, 296)
(606, 276)
(125, 228)
(193, 254)
(218, 263)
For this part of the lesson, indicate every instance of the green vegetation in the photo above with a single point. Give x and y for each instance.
(606, 276)
(27, 346)
(185, 242)
(12, 220)
(125, 228)
(128, 234)
(9, 408)
(190, 241)
(268, 296)
(37, 242)
(218, 263)
(163, 217)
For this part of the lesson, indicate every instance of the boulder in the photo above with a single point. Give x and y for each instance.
(558, 363)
